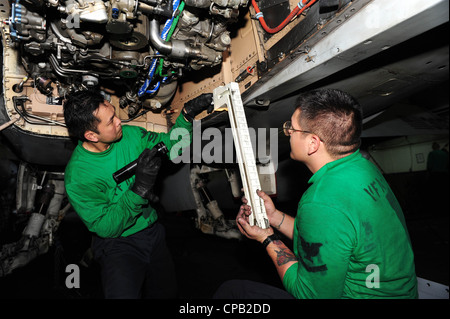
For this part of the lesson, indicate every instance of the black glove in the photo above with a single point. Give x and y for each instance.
(195, 106)
(146, 171)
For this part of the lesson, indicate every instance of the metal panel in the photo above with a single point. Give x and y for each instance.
(379, 25)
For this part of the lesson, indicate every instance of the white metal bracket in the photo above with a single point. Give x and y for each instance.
(230, 96)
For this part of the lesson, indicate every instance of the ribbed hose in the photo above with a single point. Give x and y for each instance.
(165, 35)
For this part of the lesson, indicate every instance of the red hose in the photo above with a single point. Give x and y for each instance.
(297, 11)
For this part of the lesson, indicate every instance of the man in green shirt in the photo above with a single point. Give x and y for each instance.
(127, 240)
(349, 235)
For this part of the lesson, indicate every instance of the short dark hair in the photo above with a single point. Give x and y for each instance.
(79, 110)
(436, 146)
(335, 116)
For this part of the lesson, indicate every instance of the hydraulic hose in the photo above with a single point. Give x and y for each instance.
(302, 5)
(162, 45)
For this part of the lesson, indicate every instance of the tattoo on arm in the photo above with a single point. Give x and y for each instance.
(284, 255)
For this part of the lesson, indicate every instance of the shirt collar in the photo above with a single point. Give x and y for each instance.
(80, 146)
(317, 175)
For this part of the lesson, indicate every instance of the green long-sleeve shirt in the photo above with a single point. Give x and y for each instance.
(350, 237)
(109, 209)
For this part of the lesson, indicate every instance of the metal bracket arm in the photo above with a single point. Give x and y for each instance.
(230, 96)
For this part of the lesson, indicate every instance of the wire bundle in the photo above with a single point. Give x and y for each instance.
(169, 27)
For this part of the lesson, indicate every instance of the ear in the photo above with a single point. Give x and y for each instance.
(91, 136)
(313, 144)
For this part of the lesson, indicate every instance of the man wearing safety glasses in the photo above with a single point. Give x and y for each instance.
(349, 235)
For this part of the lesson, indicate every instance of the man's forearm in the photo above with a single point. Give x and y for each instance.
(282, 256)
(284, 224)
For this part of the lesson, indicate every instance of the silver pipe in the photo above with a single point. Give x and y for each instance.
(161, 45)
(65, 72)
(174, 48)
(58, 34)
